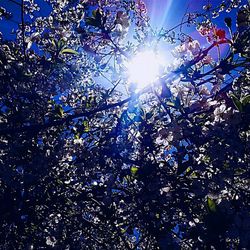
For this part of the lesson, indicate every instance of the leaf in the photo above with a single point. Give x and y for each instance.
(171, 104)
(193, 175)
(188, 170)
(86, 126)
(53, 43)
(61, 44)
(94, 13)
(228, 22)
(133, 170)
(59, 110)
(245, 100)
(97, 19)
(69, 51)
(77, 136)
(177, 102)
(211, 205)
(237, 102)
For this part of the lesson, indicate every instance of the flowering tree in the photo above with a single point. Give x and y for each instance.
(91, 161)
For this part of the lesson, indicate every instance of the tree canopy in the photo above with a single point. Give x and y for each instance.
(92, 160)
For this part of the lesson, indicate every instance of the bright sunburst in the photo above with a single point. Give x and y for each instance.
(144, 68)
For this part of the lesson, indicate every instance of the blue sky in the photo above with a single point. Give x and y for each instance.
(7, 26)
(163, 13)
(167, 13)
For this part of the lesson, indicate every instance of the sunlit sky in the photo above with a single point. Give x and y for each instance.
(163, 13)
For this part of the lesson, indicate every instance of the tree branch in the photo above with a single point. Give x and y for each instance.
(23, 29)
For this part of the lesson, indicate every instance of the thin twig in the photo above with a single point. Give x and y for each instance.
(23, 29)
(13, 1)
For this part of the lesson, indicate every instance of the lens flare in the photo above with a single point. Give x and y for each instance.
(144, 68)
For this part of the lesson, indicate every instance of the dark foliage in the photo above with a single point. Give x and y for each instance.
(83, 166)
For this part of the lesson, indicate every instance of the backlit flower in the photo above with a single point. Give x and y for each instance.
(218, 112)
(211, 32)
(194, 47)
(141, 7)
(207, 59)
(220, 34)
(180, 50)
(121, 25)
(204, 30)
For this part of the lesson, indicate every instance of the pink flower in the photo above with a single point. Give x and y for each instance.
(204, 91)
(180, 50)
(122, 19)
(121, 25)
(190, 47)
(204, 31)
(194, 47)
(212, 33)
(207, 59)
(141, 6)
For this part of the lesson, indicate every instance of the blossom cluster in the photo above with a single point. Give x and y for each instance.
(190, 46)
(122, 24)
(189, 50)
(212, 33)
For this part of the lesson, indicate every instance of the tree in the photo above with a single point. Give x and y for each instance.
(85, 166)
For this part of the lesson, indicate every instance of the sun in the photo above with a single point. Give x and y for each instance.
(144, 68)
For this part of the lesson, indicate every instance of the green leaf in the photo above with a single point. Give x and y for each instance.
(237, 102)
(69, 51)
(188, 170)
(211, 205)
(77, 136)
(61, 44)
(59, 110)
(86, 126)
(53, 43)
(245, 100)
(171, 104)
(193, 175)
(51, 101)
(94, 13)
(97, 19)
(134, 170)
